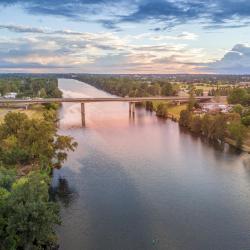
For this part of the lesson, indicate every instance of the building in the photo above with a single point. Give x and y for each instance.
(10, 95)
(216, 108)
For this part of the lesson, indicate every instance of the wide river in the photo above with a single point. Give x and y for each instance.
(142, 183)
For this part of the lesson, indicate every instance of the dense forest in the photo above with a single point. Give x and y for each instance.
(29, 150)
(30, 87)
(132, 87)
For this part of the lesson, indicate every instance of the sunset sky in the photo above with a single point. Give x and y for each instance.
(116, 36)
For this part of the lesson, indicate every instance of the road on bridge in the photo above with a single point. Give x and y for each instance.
(100, 99)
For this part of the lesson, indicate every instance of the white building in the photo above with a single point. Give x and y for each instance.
(216, 107)
(11, 95)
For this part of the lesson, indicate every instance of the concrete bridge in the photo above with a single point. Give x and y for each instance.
(131, 100)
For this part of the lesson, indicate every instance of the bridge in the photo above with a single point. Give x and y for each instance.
(131, 100)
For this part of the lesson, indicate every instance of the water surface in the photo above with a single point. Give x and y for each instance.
(143, 183)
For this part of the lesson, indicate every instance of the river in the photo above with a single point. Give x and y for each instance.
(142, 183)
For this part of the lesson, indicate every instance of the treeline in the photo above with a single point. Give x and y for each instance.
(239, 96)
(227, 90)
(200, 79)
(30, 87)
(220, 91)
(132, 87)
(215, 127)
(233, 125)
(29, 149)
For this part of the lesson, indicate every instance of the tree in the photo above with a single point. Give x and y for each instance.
(195, 124)
(191, 101)
(214, 126)
(246, 120)
(237, 132)
(149, 106)
(185, 118)
(42, 93)
(26, 141)
(167, 89)
(198, 92)
(238, 108)
(162, 110)
(237, 95)
(220, 126)
(207, 126)
(154, 89)
(27, 217)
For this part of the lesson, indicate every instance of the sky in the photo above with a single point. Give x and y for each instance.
(125, 36)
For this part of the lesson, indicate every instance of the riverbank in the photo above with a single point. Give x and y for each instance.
(30, 148)
(167, 110)
(35, 112)
(171, 111)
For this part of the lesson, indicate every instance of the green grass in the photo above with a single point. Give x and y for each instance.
(173, 110)
(35, 111)
(176, 110)
(157, 103)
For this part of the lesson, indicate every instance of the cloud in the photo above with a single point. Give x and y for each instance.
(235, 61)
(60, 51)
(156, 37)
(162, 14)
(28, 29)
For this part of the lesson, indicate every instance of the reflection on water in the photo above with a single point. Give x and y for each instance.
(61, 191)
(143, 183)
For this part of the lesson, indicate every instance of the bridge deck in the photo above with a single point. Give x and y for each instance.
(101, 99)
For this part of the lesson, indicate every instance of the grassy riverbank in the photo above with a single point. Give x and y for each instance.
(35, 112)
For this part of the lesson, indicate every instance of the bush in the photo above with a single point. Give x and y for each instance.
(27, 217)
(238, 108)
(30, 141)
(185, 118)
(162, 110)
(149, 106)
(237, 96)
(237, 132)
(246, 120)
(196, 124)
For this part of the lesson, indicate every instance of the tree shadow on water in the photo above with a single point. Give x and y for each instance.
(117, 213)
(62, 192)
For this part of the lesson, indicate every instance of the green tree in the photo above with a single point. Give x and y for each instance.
(207, 126)
(238, 108)
(27, 217)
(167, 89)
(220, 126)
(237, 132)
(191, 101)
(196, 124)
(246, 120)
(162, 110)
(185, 118)
(237, 96)
(26, 141)
(198, 92)
(42, 93)
(149, 106)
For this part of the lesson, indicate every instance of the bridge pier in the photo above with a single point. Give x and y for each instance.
(131, 108)
(83, 114)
